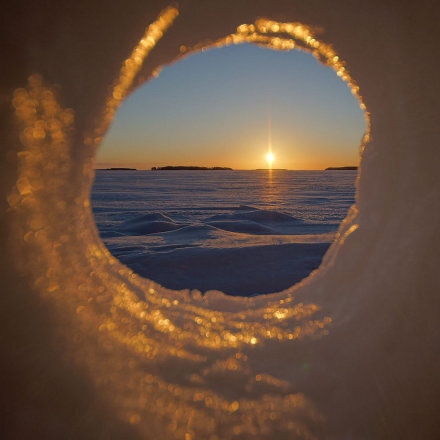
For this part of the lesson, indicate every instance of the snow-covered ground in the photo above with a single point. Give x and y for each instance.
(241, 232)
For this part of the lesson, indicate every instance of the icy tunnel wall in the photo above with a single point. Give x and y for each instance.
(92, 351)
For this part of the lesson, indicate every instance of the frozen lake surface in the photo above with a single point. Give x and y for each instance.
(241, 232)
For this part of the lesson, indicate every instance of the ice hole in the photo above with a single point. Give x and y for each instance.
(258, 228)
(93, 349)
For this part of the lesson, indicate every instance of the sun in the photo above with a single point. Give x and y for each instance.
(270, 158)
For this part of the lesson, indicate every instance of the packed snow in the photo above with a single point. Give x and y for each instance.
(241, 232)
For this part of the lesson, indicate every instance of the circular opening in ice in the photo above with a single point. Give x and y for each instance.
(162, 343)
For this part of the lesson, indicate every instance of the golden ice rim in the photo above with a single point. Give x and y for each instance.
(139, 320)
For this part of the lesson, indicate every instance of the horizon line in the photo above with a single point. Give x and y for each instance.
(232, 169)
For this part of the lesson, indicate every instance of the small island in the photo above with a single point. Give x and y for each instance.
(191, 168)
(341, 169)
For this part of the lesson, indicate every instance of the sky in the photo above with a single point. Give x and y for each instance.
(221, 107)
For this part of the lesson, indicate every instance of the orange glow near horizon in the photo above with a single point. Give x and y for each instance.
(307, 154)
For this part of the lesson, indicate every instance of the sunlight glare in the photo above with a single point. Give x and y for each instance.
(270, 158)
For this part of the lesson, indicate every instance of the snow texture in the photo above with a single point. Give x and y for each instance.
(211, 236)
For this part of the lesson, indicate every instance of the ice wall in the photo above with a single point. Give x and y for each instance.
(90, 350)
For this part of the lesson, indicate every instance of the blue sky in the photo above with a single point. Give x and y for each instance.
(213, 109)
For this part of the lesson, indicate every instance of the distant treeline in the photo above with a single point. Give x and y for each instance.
(341, 168)
(189, 168)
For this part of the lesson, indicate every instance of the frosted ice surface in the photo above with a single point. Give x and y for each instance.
(241, 232)
(352, 353)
